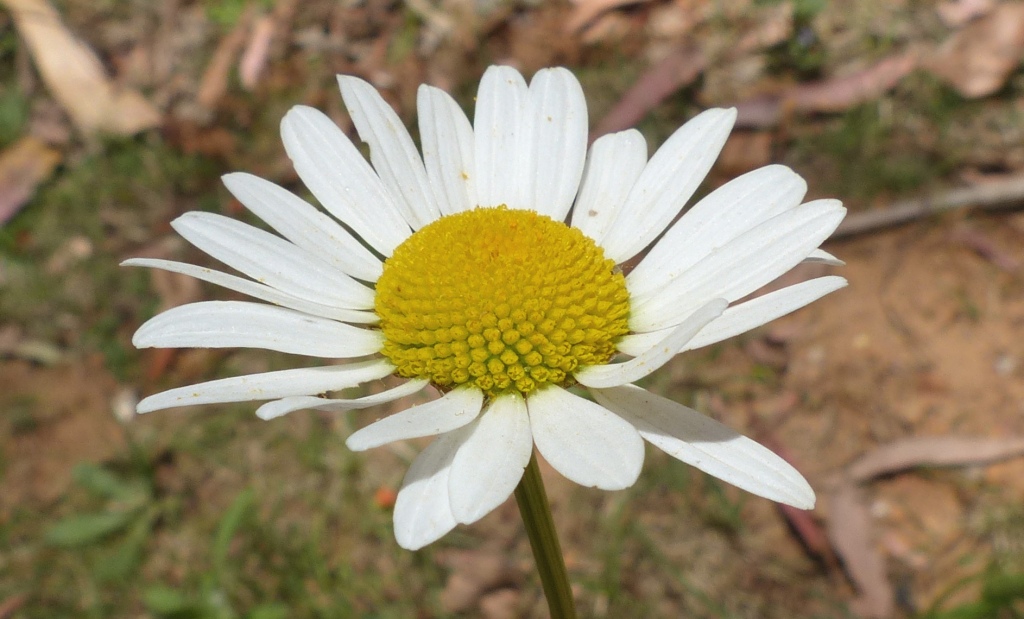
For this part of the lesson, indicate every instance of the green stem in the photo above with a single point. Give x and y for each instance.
(536, 512)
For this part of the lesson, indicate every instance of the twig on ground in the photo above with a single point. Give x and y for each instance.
(990, 196)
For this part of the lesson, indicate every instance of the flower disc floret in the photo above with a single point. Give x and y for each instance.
(505, 300)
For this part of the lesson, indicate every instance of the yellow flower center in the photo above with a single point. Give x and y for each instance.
(506, 300)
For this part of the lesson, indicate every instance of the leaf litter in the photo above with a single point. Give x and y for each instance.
(23, 166)
(978, 59)
(75, 76)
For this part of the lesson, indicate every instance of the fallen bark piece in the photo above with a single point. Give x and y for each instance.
(75, 76)
(933, 451)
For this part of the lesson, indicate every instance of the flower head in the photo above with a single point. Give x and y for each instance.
(486, 266)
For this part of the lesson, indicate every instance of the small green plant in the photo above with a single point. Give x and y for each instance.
(127, 519)
(211, 600)
(228, 12)
(1002, 595)
(722, 511)
(13, 114)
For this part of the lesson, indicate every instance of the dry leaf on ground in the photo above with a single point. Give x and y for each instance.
(214, 83)
(774, 25)
(849, 528)
(23, 166)
(983, 245)
(501, 604)
(802, 522)
(676, 70)
(681, 66)
(843, 93)
(586, 11)
(74, 75)
(977, 60)
(267, 29)
(955, 13)
(810, 533)
(933, 451)
(473, 574)
(834, 95)
(10, 336)
(12, 605)
(254, 58)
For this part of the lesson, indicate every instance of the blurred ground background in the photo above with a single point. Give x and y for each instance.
(901, 397)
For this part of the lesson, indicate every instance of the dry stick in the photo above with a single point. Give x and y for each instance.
(993, 195)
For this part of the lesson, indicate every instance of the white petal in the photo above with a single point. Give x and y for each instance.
(447, 139)
(743, 317)
(584, 441)
(238, 324)
(392, 151)
(764, 309)
(653, 358)
(423, 512)
(741, 266)
(491, 461)
(256, 290)
(700, 441)
(302, 224)
(497, 135)
(726, 213)
(615, 162)
(636, 344)
(278, 408)
(272, 260)
(668, 181)
(820, 256)
(344, 183)
(270, 385)
(453, 410)
(556, 123)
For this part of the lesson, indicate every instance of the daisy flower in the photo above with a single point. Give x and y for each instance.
(486, 265)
